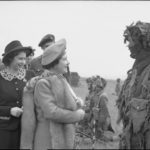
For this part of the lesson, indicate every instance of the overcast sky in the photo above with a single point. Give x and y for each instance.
(93, 30)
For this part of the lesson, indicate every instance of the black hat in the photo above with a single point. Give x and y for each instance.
(47, 38)
(16, 46)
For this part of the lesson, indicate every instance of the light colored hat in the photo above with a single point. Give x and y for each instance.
(53, 51)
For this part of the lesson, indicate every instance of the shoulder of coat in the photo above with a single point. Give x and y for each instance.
(53, 78)
(31, 83)
(43, 81)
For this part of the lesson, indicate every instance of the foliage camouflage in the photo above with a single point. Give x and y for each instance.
(133, 102)
(139, 32)
(89, 127)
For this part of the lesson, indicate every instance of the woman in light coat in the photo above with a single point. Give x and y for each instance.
(56, 105)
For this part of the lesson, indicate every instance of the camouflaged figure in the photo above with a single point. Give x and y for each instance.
(99, 108)
(84, 125)
(134, 100)
(97, 115)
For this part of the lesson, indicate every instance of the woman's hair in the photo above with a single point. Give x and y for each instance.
(8, 60)
(52, 64)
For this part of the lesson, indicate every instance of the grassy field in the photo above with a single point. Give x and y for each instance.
(82, 91)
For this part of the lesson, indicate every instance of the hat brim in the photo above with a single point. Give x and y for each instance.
(44, 63)
(53, 52)
(28, 50)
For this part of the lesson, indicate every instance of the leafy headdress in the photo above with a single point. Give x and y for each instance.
(139, 32)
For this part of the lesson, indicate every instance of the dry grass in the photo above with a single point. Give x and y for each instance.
(82, 91)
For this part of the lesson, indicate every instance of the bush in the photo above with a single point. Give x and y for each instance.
(75, 78)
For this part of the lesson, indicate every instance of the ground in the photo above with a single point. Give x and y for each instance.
(82, 91)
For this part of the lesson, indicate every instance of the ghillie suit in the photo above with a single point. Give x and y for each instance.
(100, 117)
(134, 100)
(97, 119)
(84, 125)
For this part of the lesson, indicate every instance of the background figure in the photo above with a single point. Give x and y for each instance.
(97, 115)
(133, 101)
(29, 59)
(13, 78)
(99, 108)
(56, 105)
(36, 65)
(118, 87)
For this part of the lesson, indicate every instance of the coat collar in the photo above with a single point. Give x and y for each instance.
(48, 73)
(7, 75)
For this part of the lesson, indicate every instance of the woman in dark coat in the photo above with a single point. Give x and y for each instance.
(13, 78)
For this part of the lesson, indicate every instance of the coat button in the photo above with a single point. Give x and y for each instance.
(17, 102)
(15, 82)
(17, 89)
